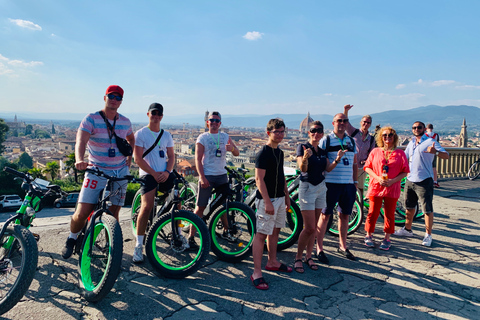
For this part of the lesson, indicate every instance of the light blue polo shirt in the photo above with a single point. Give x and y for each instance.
(419, 160)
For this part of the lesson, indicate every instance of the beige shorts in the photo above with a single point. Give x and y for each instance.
(267, 222)
(312, 197)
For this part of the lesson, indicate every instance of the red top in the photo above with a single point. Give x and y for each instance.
(397, 163)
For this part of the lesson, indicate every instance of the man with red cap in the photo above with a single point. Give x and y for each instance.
(103, 153)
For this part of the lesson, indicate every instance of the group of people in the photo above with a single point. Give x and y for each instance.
(332, 168)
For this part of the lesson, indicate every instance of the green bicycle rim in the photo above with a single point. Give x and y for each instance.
(214, 236)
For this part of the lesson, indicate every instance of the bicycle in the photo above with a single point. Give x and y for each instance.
(100, 243)
(18, 246)
(166, 247)
(294, 220)
(474, 170)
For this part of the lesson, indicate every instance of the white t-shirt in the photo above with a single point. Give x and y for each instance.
(213, 165)
(146, 138)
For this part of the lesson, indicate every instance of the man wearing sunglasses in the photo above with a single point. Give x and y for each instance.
(155, 155)
(364, 143)
(104, 154)
(210, 160)
(341, 182)
(420, 153)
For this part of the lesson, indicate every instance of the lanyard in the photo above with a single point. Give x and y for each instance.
(112, 131)
(217, 143)
(153, 135)
(340, 141)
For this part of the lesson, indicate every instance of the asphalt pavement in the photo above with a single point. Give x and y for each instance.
(407, 282)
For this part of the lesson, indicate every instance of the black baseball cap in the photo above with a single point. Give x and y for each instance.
(156, 106)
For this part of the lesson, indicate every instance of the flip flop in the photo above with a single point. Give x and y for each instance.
(257, 283)
(282, 268)
(299, 268)
(313, 266)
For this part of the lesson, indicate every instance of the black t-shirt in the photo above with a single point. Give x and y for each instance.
(271, 160)
(316, 164)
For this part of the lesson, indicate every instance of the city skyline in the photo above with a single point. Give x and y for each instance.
(239, 57)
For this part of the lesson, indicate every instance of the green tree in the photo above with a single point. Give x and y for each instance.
(70, 162)
(28, 129)
(36, 173)
(3, 132)
(42, 134)
(25, 161)
(52, 169)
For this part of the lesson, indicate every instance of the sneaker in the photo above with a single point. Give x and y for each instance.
(347, 254)
(436, 185)
(228, 236)
(68, 249)
(385, 245)
(192, 244)
(322, 258)
(369, 241)
(427, 241)
(138, 254)
(403, 233)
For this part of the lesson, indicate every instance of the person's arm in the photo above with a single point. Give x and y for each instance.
(230, 146)
(199, 153)
(302, 160)
(349, 128)
(171, 159)
(355, 170)
(433, 150)
(287, 195)
(80, 146)
(131, 140)
(142, 164)
(331, 166)
(262, 188)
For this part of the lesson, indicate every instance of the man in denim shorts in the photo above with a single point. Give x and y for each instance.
(103, 154)
(271, 203)
(420, 153)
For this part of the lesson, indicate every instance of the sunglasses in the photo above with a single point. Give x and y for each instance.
(418, 127)
(367, 122)
(155, 113)
(342, 120)
(112, 96)
(214, 120)
(316, 130)
(390, 135)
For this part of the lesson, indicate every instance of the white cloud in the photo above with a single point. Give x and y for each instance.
(400, 86)
(439, 83)
(7, 67)
(26, 24)
(253, 35)
(328, 94)
(467, 87)
(20, 63)
(4, 70)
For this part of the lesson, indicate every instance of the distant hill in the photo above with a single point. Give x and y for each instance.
(444, 119)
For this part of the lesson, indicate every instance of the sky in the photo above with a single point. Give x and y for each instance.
(239, 57)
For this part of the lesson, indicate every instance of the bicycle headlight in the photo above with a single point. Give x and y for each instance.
(25, 186)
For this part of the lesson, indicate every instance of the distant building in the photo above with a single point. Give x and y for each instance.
(463, 139)
(305, 124)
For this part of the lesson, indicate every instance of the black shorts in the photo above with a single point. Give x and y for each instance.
(151, 184)
(344, 194)
(421, 192)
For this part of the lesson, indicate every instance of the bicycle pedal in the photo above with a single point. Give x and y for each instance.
(36, 236)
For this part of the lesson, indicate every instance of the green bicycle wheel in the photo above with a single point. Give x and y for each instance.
(354, 221)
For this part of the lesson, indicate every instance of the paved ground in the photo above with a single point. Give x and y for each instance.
(409, 281)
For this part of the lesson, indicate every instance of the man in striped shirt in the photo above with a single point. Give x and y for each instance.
(103, 153)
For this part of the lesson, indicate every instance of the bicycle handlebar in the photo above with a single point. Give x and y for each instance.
(22, 175)
(128, 177)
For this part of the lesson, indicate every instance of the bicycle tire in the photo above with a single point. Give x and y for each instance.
(401, 211)
(354, 222)
(474, 170)
(18, 263)
(293, 227)
(175, 259)
(137, 202)
(189, 197)
(243, 231)
(99, 270)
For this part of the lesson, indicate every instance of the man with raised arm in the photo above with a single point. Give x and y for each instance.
(155, 156)
(364, 144)
(210, 160)
(420, 152)
(341, 183)
(272, 201)
(104, 154)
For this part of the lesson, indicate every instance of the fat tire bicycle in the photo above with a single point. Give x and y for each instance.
(18, 246)
(474, 170)
(166, 246)
(100, 243)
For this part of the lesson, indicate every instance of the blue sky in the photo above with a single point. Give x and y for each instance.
(239, 57)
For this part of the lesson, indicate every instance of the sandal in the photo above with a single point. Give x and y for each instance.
(299, 269)
(312, 266)
(282, 268)
(259, 283)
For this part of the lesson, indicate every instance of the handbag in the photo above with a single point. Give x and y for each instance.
(122, 144)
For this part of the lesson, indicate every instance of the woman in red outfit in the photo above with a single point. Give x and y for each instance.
(386, 166)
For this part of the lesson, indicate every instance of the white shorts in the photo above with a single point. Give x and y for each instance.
(93, 185)
(267, 222)
(312, 197)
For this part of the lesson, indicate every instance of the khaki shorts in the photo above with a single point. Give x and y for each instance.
(312, 197)
(267, 222)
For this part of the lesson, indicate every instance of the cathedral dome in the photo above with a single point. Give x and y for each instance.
(305, 124)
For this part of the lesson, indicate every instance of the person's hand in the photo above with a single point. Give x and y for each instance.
(229, 147)
(204, 182)
(431, 149)
(157, 176)
(287, 203)
(129, 161)
(347, 107)
(81, 165)
(341, 153)
(307, 153)
(269, 209)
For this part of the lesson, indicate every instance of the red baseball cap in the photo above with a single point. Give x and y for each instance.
(114, 89)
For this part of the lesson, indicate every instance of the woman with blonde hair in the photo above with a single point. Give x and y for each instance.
(387, 166)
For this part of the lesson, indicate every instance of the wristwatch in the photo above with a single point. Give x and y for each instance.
(337, 162)
(436, 153)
